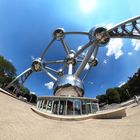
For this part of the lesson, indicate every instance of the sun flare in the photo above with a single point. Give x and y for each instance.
(87, 5)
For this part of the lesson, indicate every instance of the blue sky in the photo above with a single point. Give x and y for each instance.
(26, 28)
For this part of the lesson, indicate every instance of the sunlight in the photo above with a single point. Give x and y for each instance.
(87, 5)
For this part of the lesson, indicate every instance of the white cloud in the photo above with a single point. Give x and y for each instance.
(135, 32)
(130, 53)
(136, 44)
(92, 56)
(83, 54)
(87, 66)
(105, 61)
(79, 48)
(49, 85)
(115, 48)
(109, 26)
(32, 93)
(10, 60)
(32, 57)
(121, 83)
(90, 82)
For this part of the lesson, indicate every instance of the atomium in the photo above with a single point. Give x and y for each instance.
(68, 81)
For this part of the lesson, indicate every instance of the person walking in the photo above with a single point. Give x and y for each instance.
(136, 99)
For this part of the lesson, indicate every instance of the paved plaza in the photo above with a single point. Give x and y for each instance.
(19, 122)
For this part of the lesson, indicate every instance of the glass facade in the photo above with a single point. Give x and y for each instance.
(67, 106)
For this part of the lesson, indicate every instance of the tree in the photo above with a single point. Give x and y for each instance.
(113, 96)
(25, 92)
(33, 98)
(7, 74)
(134, 84)
(123, 92)
(7, 71)
(102, 98)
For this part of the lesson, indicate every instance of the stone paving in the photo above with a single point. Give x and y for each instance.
(19, 122)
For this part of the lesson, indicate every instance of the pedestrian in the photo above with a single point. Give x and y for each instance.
(136, 99)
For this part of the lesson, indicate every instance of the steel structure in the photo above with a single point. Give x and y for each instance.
(98, 37)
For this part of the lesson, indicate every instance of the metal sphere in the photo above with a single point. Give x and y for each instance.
(99, 34)
(36, 65)
(60, 73)
(93, 63)
(70, 58)
(69, 81)
(58, 33)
